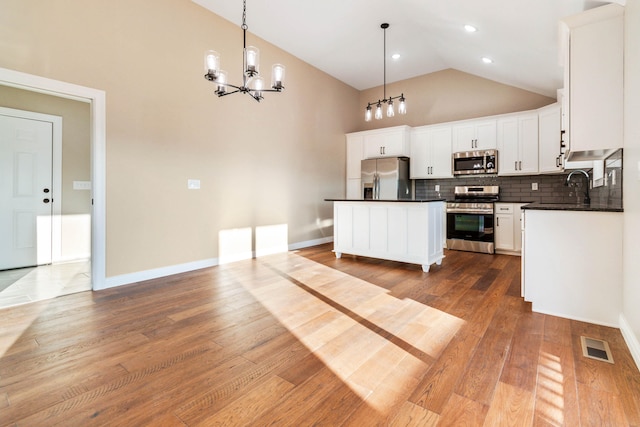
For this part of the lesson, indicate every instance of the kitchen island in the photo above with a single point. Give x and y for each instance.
(572, 261)
(398, 230)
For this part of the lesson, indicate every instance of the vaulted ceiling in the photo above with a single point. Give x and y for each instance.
(343, 37)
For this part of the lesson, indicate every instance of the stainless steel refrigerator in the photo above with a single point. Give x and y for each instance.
(386, 179)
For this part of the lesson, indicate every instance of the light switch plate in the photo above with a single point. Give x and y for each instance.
(82, 185)
(193, 184)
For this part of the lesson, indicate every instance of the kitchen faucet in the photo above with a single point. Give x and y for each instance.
(587, 199)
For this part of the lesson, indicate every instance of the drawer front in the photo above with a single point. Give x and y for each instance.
(505, 208)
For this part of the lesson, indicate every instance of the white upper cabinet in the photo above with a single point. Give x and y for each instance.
(518, 144)
(549, 139)
(430, 152)
(387, 142)
(593, 44)
(474, 135)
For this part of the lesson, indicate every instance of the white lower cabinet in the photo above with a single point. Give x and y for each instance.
(409, 232)
(507, 228)
(572, 264)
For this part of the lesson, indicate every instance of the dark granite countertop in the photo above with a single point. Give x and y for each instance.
(513, 200)
(386, 200)
(571, 207)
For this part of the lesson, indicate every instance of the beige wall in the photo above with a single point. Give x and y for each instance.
(259, 164)
(76, 162)
(631, 180)
(449, 95)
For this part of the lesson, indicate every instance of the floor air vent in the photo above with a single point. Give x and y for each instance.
(596, 349)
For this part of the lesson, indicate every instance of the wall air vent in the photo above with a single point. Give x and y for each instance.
(596, 349)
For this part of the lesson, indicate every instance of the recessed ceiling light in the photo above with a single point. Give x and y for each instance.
(395, 56)
(470, 28)
(487, 60)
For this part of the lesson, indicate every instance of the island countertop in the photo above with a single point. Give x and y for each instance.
(387, 200)
(593, 207)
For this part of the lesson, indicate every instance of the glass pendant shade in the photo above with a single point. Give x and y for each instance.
(211, 62)
(277, 76)
(251, 60)
(402, 108)
(367, 114)
(222, 82)
(378, 111)
(390, 112)
(257, 84)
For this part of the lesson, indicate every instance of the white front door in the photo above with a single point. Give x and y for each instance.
(26, 193)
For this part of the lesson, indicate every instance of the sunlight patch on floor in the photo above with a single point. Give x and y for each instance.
(550, 395)
(374, 342)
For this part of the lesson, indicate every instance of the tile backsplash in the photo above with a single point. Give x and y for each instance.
(551, 188)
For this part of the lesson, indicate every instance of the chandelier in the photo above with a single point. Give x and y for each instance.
(402, 108)
(252, 82)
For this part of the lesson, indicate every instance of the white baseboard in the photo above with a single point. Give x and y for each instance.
(308, 243)
(127, 279)
(631, 339)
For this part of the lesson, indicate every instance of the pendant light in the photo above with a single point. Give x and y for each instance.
(402, 107)
(252, 82)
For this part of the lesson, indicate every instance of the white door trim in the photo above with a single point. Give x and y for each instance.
(97, 99)
(56, 220)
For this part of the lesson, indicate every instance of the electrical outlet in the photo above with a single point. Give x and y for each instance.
(193, 184)
(437, 187)
(534, 186)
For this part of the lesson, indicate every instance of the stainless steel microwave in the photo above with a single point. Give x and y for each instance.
(475, 162)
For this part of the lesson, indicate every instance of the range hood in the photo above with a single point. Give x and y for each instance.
(579, 156)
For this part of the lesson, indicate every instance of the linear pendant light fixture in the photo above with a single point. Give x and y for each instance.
(402, 108)
(252, 82)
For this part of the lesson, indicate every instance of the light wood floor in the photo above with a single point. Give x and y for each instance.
(306, 339)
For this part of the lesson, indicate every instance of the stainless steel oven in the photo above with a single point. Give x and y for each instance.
(470, 219)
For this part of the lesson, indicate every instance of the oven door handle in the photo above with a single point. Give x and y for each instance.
(470, 211)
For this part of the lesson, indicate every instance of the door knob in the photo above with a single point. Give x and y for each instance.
(46, 190)
(45, 200)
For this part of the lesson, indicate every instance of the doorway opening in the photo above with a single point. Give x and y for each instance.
(96, 100)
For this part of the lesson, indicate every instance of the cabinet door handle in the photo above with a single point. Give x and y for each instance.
(520, 165)
(558, 161)
(498, 222)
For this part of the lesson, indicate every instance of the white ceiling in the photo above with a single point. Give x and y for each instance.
(343, 37)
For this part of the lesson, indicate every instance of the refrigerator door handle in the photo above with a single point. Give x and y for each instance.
(376, 186)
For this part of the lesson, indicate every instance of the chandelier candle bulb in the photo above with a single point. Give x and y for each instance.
(402, 108)
(378, 111)
(252, 55)
(390, 112)
(211, 63)
(367, 114)
(277, 76)
(222, 82)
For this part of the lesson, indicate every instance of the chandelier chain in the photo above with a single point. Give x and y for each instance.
(244, 15)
